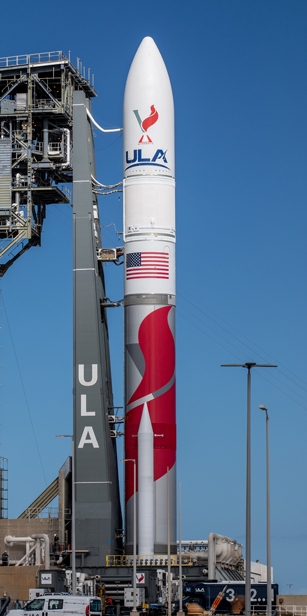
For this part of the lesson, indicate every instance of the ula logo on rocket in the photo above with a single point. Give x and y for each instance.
(145, 124)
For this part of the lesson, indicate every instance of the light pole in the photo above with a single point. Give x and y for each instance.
(248, 366)
(134, 532)
(180, 613)
(73, 516)
(268, 521)
(169, 588)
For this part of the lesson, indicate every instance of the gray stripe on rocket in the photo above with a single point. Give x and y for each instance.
(136, 356)
(152, 396)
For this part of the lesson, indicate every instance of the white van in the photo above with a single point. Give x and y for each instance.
(61, 604)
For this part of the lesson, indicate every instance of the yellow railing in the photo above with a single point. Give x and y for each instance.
(145, 560)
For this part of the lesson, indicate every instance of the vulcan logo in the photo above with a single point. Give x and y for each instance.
(147, 123)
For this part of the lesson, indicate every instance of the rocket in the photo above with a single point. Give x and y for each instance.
(149, 300)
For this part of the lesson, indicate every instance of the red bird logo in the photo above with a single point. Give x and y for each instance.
(145, 124)
(140, 578)
(152, 118)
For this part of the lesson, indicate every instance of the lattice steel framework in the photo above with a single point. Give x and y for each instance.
(35, 144)
(3, 488)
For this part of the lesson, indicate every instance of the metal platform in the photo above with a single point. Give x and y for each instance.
(13, 65)
(47, 194)
(36, 141)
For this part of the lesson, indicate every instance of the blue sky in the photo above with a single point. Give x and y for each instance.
(238, 72)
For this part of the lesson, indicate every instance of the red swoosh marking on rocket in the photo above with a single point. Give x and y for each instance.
(152, 119)
(158, 347)
(163, 418)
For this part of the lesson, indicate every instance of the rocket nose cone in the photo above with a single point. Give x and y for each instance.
(148, 114)
(145, 423)
(148, 45)
(147, 63)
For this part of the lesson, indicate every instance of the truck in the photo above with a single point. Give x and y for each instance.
(60, 604)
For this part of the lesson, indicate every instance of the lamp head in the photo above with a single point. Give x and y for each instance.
(262, 407)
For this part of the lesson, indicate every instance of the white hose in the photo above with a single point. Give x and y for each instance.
(103, 130)
(98, 192)
(67, 133)
(105, 185)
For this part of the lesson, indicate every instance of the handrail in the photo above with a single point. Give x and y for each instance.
(144, 560)
(289, 610)
(38, 512)
(33, 58)
(298, 610)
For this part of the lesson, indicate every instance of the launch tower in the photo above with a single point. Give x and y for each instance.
(46, 142)
(35, 145)
(98, 514)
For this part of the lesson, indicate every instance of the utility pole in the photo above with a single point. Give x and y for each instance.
(248, 366)
(268, 521)
(169, 584)
(180, 613)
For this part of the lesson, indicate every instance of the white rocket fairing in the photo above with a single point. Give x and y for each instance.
(149, 240)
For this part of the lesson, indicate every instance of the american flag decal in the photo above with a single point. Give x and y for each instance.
(147, 265)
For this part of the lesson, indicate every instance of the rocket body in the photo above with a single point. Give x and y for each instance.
(149, 304)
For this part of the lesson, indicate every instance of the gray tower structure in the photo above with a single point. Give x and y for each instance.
(35, 145)
(46, 142)
(97, 504)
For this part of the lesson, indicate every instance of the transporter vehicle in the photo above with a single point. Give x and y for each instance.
(205, 593)
(60, 604)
